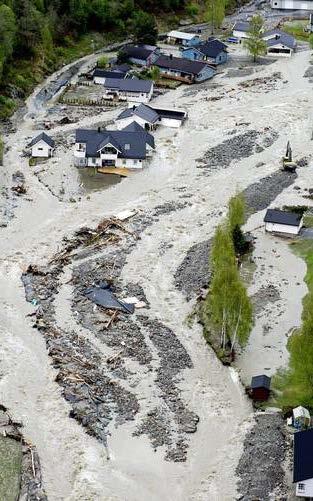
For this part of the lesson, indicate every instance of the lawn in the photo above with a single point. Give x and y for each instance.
(296, 28)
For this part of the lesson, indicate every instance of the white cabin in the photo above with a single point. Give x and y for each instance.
(281, 222)
(42, 146)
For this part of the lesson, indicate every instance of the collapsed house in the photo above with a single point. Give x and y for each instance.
(184, 70)
(149, 117)
(42, 146)
(130, 89)
(127, 148)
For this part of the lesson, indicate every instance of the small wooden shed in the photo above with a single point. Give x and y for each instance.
(260, 387)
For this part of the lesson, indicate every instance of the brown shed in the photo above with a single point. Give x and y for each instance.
(260, 387)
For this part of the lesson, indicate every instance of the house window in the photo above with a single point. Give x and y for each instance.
(110, 151)
(135, 161)
(123, 162)
(80, 147)
(301, 487)
(40, 149)
(93, 160)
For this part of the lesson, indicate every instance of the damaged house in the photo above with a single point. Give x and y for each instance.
(128, 148)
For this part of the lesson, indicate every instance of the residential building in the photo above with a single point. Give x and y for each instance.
(178, 68)
(279, 43)
(286, 223)
(181, 38)
(99, 76)
(303, 463)
(42, 146)
(142, 55)
(149, 118)
(128, 148)
(292, 4)
(129, 89)
(241, 30)
(211, 51)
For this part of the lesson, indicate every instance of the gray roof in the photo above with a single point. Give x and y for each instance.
(262, 381)
(135, 127)
(135, 140)
(241, 26)
(211, 48)
(280, 37)
(180, 64)
(44, 137)
(108, 74)
(282, 217)
(139, 51)
(145, 112)
(129, 85)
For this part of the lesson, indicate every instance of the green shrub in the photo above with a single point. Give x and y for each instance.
(192, 9)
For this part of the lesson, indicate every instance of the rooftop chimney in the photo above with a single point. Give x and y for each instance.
(99, 129)
(171, 56)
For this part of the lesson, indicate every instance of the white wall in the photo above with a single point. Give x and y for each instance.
(99, 80)
(41, 150)
(279, 54)
(292, 4)
(121, 124)
(171, 122)
(308, 488)
(282, 228)
(129, 163)
(240, 34)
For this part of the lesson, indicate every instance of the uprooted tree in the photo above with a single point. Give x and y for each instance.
(255, 44)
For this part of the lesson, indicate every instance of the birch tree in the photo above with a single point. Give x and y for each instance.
(255, 44)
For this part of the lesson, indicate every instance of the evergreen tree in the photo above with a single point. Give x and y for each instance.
(144, 28)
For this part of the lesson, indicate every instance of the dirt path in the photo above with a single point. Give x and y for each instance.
(75, 465)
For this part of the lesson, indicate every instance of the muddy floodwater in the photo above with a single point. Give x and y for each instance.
(91, 180)
(165, 419)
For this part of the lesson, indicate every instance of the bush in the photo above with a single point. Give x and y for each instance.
(192, 9)
(7, 107)
(102, 62)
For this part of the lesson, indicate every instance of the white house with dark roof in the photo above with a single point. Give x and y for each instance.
(42, 146)
(241, 30)
(130, 89)
(279, 43)
(282, 222)
(303, 463)
(99, 76)
(149, 117)
(128, 148)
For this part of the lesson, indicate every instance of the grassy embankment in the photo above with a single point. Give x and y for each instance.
(294, 385)
(10, 468)
(296, 29)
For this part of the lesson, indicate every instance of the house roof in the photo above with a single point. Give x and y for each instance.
(303, 455)
(279, 37)
(130, 144)
(262, 381)
(145, 112)
(121, 68)
(282, 217)
(181, 35)
(241, 26)
(212, 48)
(168, 113)
(108, 74)
(129, 84)
(42, 137)
(134, 127)
(139, 51)
(180, 64)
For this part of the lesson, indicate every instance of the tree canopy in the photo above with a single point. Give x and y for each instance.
(255, 44)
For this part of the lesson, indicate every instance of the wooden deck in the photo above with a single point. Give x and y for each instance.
(118, 171)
